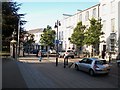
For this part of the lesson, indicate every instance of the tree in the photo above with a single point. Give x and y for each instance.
(48, 37)
(10, 19)
(77, 37)
(93, 33)
(30, 39)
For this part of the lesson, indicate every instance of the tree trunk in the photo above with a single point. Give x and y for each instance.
(47, 52)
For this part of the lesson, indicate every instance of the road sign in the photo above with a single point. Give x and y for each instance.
(57, 41)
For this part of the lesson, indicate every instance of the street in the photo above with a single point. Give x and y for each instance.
(45, 74)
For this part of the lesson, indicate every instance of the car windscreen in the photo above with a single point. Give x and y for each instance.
(101, 62)
(62, 51)
(43, 50)
(69, 51)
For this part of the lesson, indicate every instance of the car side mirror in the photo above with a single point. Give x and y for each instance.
(80, 61)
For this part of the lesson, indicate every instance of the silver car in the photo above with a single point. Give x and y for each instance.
(93, 66)
(62, 53)
(69, 53)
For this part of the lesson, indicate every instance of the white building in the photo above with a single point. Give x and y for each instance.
(69, 23)
(108, 11)
(37, 35)
(110, 15)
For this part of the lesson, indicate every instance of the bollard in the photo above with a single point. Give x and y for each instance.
(110, 58)
(65, 61)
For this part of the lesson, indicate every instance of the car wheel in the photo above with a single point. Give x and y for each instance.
(72, 57)
(63, 55)
(106, 73)
(76, 67)
(91, 72)
(59, 56)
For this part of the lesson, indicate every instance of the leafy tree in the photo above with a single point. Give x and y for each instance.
(48, 37)
(10, 19)
(29, 39)
(92, 35)
(77, 37)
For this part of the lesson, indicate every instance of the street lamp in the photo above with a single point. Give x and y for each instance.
(18, 48)
(13, 42)
(57, 41)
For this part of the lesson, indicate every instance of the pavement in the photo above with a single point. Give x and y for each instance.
(11, 74)
(12, 77)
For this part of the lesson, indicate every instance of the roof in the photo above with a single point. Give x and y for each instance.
(36, 30)
(84, 10)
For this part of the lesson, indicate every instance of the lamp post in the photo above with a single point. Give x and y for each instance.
(13, 42)
(18, 48)
(57, 24)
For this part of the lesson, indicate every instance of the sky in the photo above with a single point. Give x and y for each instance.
(40, 13)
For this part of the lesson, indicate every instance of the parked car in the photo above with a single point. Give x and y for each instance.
(69, 53)
(93, 66)
(62, 53)
(118, 59)
(52, 51)
(44, 52)
(118, 62)
(35, 51)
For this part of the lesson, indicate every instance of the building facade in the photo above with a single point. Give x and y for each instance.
(70, 22)
(37, 35)
(109, 13)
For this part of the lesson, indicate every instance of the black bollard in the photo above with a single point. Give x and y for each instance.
(110, 58)
(65, 61)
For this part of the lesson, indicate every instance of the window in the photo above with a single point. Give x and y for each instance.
(40, 35)
(89, 61)
(94, 12)
(62, 36)
(84, 60)
(87, 26)
(112, 6)
(104, 9)
(101, 62)
(113, 25)
(87, 16)
(59, 35)
(112, 44)
(36, 36)
(104, 25)
(80, 17)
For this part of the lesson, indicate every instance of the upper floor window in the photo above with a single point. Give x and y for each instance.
(40, 35)
(36, 36)
(112, 6)
(59, 35)
(87, 16)
(94, 12)
(87, 26)
(113, 25)
(62, 36)
(80, 17)
(104, 25)
(104, 8)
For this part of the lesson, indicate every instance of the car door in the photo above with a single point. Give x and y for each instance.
(87, 65)
(82, 64)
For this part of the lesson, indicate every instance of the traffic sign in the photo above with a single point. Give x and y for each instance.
(57, 41)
